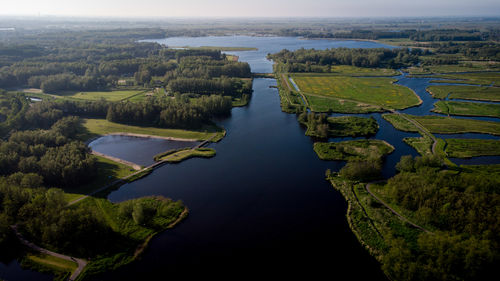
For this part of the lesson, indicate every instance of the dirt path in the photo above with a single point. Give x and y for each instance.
(367, 187)
(80, 262)
(422, 129)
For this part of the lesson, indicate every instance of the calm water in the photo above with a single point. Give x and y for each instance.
(12, 270)
(137, 150)
(261, 207)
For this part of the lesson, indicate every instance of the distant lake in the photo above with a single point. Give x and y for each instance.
(265, 45)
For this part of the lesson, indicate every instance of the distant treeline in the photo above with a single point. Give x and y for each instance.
(310, 60)
(432, 35)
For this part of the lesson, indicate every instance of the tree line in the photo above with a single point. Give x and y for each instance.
(304, 60)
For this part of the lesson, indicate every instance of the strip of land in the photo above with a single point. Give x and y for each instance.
(101, 127)
(465, 92)
(466, 148)
(467, 108)
(443, 125)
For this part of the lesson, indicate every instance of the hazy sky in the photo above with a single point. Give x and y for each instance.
(250, 8)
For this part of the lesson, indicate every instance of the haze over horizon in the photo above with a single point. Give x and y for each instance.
(256, 8)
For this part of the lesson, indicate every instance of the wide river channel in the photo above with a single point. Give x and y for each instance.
(261, 208)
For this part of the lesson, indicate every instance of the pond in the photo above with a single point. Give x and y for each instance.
(138, 150)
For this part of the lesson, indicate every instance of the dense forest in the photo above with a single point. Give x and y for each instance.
(310, 60)
(462, 207)
(41, 145)
(96, 67)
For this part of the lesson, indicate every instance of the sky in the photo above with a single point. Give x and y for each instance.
(250, 8)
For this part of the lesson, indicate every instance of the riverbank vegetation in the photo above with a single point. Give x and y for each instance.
(465, 92)
(408, 253)
(467, 108)
(353, 150)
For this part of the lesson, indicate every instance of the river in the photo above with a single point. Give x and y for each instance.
(261, 208)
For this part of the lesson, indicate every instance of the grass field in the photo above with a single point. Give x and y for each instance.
(331, 104)
(465, 92)
(423, 145)
(96, 127)
(108, 95)
(351, 126)
(465, 148)
(62, 269)
(400, 123)
(352, 150)
(467, 108)
(375, 91)
(478, 78)
(444, 125)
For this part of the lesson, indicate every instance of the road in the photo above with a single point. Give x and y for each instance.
(80, 262)
(367, 187)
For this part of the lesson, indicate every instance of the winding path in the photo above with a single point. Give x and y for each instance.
(80, 262)
(419, 126)
(367, 187)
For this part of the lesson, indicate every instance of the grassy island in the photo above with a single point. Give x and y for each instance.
(353, 150)
(179, 155)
